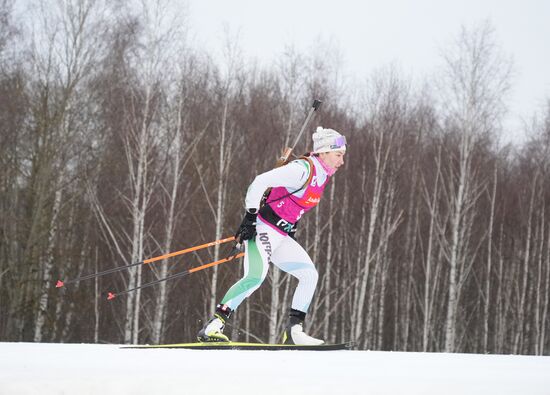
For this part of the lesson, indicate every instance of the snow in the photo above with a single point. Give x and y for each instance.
(43, 368)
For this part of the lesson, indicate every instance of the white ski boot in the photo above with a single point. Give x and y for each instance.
(294, 332)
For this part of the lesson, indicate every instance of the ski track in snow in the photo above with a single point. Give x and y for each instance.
(45, 368)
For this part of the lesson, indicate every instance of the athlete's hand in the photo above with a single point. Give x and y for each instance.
(247, 229)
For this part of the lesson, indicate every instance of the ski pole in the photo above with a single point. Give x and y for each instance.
(112, 295)
(144, 262)
(288, 150)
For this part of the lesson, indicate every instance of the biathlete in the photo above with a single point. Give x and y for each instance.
(268, 233)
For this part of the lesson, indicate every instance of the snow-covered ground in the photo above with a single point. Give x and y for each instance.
(43, 369)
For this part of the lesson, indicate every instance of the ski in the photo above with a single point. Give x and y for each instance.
(247, 346)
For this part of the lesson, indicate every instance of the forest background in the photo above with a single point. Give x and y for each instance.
(121, 140)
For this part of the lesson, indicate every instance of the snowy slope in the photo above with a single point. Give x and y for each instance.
(28, 368)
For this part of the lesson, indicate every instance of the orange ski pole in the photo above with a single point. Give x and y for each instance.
(144, 262)
(112, 295)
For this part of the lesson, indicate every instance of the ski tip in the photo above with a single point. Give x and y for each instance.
(59, 284)
(111, 296)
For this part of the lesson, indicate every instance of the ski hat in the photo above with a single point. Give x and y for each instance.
(328, 140)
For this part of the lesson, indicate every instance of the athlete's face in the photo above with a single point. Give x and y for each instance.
(333, 159)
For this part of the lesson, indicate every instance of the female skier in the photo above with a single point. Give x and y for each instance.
(268, 234)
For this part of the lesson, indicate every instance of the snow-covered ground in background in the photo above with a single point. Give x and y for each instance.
(43, 369)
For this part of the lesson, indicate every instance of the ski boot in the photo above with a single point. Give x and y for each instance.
(212, 331)
(294, 332)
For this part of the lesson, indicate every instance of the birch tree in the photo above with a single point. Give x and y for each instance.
(230, 86)
(64, 47)
(531, 319)
(13, 112)
(143, 68)
(175, 187)
(151, 62)
(385, 116)
(475, 81)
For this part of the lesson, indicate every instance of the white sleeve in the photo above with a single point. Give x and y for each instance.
(292, 176)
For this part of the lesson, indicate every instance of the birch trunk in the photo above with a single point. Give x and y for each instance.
(486, 309)
(411, 232)
(428, 281)
(546, 297)
(162, 294)
(539, 240)
(360, 246)
(386, 231)
(138, 206)
(518, 338)
(48, 265)
(96, 301)
(500, 299)
(359, 306)
(452, 300)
